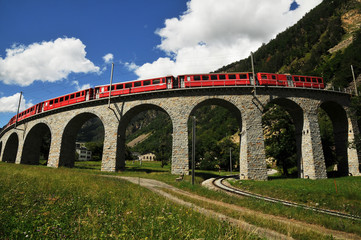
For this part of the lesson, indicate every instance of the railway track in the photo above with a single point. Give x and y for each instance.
(218, 182)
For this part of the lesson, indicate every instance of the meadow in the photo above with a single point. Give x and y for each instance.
(315, 193)
(41, 202)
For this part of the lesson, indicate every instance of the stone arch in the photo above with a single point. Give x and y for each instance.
(32, 143)
(124, 122)
(11, 148)
(339, 120)
(297, 115)
(68, 139)
(235, 112)
(220, 102)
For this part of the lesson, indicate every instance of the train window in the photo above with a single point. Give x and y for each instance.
(72, 96)
(205, 77)
(56, 100)
(137, 84)
(128, 85)
(147, 82)
(314, 80)
(156, 81)
(77, 95)
(66, 98)
(263, 76)
(214, 77)
(61, 99)
(308, 79)
(243, 76)
(297, 79)
(222, 77)
(232, 76)
(302, 79)
(120, 86)
(274, 77)
(197, 78)
(319, 80)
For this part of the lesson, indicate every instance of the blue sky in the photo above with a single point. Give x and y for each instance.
(49, 48)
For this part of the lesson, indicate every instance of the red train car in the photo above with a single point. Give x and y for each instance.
(80, 96)
(272, 79)
(308, 81)
(136, 86)
(219, 79)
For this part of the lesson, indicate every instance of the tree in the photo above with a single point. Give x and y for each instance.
(279, 132)
(96, 148)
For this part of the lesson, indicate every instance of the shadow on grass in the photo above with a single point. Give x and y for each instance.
(145, 170)
(330, 174)
(205, 175)
(335, 174)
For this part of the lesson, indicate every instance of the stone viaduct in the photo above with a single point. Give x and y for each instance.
(22, 145)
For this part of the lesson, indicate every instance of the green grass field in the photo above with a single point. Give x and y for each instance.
(339, 194)
(319, 193)
(41, 202)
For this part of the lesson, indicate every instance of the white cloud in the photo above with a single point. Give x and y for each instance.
(108, 58)
(82, 87)
(131, 66)
(213, 33)
(46, 61)
(10, 104)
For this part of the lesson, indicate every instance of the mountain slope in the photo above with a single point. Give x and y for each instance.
(325, 42)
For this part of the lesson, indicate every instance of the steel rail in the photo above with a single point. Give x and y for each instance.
(218, 182)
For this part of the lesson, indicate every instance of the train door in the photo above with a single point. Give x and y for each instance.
(169, 82)
(289, 81)
(181, 81)
(87, 96)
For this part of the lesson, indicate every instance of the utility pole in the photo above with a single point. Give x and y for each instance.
(354, 80)
(193, 148)
(254, 76)
(230, 159)
(17, 114)
(110, 87)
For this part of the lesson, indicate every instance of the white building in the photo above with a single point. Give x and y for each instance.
(147, 157)
(83, 153)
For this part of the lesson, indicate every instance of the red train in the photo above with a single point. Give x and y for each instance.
(171, 82)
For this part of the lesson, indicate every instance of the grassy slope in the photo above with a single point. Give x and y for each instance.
(77, 203)
(38, 202)
(299, 190)
(321, 193)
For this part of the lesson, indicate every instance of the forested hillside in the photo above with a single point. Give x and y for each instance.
(325, 42)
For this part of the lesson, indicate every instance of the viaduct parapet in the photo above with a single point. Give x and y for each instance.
(22, 145)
